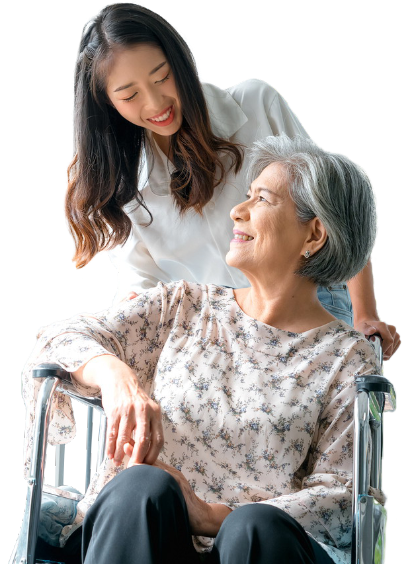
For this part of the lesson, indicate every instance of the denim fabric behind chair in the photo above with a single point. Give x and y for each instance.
(55, 513)
(337, 301)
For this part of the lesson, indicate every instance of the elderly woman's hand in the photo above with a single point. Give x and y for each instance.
(200, 513)
(205, 518)
(390, 338)
(130, 411)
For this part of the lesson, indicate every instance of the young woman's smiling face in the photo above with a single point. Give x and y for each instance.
(141, 86)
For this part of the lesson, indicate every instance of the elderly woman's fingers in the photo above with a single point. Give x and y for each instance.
(119, 430)
(131, 449)
(149, 437)
(128, 450)
(135, 420)
(144, 422)
(157, 437)
(141, 418)
(111, 437)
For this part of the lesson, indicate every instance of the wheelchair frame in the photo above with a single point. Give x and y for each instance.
(375, 395)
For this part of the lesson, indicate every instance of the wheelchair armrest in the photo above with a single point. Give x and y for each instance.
(50, 371)
(56, 371)
(381, 387)
(374, 383)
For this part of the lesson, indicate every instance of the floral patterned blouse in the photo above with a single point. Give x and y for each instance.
(251, 413)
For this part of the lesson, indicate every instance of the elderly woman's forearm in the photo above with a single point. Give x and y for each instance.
(99, 371)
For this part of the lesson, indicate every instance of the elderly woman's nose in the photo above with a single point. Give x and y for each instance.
(241, 211)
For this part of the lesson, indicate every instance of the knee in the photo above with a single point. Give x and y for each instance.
(135, 504)
(253, 518)
(260, 524)
(139, 485)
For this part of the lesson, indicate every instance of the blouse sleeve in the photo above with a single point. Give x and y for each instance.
(323, 504)
(135, 331)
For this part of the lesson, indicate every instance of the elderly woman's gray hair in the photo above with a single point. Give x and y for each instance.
(335, 190)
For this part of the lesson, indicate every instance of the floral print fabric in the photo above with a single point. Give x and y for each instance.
(251, 413)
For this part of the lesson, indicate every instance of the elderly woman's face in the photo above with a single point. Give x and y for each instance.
(268, 237)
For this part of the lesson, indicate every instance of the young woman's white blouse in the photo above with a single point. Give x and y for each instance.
(194, 247)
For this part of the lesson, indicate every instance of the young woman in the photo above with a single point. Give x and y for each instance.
(159, 162)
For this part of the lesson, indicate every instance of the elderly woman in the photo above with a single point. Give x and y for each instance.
(232, 408)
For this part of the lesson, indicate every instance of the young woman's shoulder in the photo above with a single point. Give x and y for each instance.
(253, 89)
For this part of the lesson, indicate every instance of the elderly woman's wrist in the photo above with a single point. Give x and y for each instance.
(214, 517)
(104, 370)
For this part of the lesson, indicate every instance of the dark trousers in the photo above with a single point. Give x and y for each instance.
(140, 517)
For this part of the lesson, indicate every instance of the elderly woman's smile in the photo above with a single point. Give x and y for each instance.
(241, 237)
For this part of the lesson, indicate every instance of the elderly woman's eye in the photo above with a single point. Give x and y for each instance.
(261, 199)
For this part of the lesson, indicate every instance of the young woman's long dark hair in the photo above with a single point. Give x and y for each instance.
(108, 148)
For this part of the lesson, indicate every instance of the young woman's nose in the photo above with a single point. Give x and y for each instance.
(153, 102)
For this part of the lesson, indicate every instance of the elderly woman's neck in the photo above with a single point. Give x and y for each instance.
(294, 307)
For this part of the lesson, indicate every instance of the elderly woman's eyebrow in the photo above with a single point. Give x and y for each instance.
(274, 193)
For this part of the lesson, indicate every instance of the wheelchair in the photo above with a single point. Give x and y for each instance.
(374, 396)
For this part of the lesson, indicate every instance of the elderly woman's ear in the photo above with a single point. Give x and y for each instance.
(316, 237)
